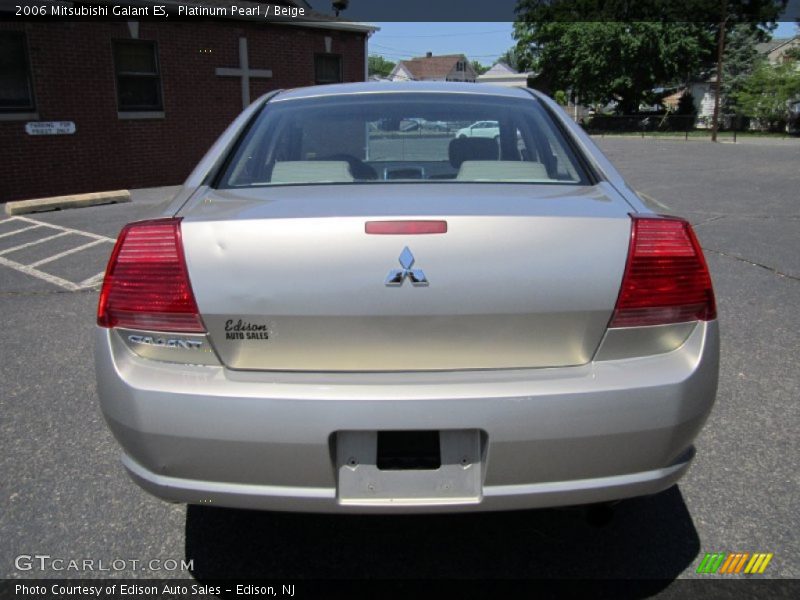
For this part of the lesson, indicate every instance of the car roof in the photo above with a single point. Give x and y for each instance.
(388, 87)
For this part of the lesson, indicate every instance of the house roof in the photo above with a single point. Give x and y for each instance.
(502, 74)
(673, 99)
(773, 44)
(500, 69)
(432, 67)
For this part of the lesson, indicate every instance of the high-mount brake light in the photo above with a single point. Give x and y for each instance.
(666, 277)
(147, 284)
(410, 227)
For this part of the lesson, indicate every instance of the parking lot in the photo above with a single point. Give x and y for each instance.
(64, 493)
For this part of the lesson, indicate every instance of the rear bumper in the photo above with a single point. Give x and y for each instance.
(550, 437)
(501, 497)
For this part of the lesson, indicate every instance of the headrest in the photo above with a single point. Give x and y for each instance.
(501, 170)
(475, 148)
(311, 171)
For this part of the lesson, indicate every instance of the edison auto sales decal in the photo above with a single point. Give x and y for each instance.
(244, 330)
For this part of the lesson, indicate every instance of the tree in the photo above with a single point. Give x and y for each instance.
(766, 93)
(606, 50)
(605, 61)
(478, 67)
(377, 65)
(686, 105)
(740, 61)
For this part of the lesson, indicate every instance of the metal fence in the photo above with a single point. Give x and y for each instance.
(673, 126)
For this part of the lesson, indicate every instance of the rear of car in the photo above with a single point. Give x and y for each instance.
(339, 315)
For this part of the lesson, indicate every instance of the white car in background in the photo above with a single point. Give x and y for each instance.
(484, 129)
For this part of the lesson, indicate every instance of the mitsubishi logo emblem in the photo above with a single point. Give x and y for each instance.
(396, 277)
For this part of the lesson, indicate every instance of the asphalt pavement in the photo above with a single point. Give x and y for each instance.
(65, 495)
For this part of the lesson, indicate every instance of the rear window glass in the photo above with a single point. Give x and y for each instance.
(403, 137)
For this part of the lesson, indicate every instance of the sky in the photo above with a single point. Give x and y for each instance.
(483, 42)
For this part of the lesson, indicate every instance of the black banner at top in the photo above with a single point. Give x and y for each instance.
(409, 10)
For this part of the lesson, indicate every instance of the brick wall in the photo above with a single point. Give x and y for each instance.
(73, 78)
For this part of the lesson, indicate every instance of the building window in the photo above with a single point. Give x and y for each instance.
(460, 66)
(327, 68)
(138, 78)
(16, 89)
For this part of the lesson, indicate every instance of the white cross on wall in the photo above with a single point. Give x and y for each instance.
(244, 71)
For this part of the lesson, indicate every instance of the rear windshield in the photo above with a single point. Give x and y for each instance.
(402, 137)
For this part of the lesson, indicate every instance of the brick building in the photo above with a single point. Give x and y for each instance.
(139, 102)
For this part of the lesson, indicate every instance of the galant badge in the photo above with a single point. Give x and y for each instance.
(396, 277)
(161, 342)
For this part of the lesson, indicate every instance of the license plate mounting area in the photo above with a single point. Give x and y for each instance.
(409, 467)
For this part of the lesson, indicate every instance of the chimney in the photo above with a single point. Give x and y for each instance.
(429, 54)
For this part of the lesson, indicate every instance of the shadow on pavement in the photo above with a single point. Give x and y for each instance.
(649, 538)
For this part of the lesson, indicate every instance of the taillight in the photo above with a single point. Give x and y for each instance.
(146, 284)
(666, 278)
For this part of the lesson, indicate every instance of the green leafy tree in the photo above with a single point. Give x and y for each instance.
(618, 50)
(766, 93)
(605, 61)
(377, 65)
(478, 67)
(740, 61)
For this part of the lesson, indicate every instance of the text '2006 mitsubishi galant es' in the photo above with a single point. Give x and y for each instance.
(340, 314)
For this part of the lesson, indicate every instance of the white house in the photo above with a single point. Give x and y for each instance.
(777, 49)
(502, 74)
(703, 92)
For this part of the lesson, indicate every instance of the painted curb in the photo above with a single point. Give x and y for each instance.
(21, 207)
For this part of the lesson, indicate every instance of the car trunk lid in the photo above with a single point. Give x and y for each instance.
(288, 279)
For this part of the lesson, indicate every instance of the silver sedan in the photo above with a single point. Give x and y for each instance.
(337, 315)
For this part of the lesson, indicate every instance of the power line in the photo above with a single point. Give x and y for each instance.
(405, 51)
(390, 47)
(468, 33)
(395, 56)
(413, 52)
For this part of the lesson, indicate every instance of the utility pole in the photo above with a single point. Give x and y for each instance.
(720, 51)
